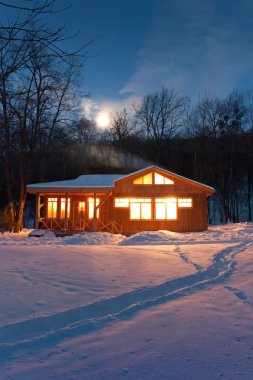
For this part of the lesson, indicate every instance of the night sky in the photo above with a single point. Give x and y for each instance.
(193, 46)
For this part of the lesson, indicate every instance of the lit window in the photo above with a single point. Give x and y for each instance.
(140, 208)
(52, 208)
(184, 202)
(91, 207)
(161, 180)
(145, 180)
(81, 206)
(166, 208)
(121, 202)
(63, 203)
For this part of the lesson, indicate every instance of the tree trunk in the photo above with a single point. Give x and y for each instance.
(20, 213)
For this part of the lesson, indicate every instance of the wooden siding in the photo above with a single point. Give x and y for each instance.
(194, 218)
(188, 219)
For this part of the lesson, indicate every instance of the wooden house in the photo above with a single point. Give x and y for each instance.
(146, 200)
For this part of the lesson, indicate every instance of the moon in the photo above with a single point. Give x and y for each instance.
(103, 120)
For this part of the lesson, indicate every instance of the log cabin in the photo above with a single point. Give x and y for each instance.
(146, 200)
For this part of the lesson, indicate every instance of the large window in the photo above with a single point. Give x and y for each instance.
(161, 180)
(63, 207)
(52, 208)
(144, 180)
(91, 203)
(165, 208)
(140, 208)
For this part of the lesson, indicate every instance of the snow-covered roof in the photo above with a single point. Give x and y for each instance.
(102, 181)
(87, 181)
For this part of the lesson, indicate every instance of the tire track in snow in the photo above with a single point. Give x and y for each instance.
(48, 330)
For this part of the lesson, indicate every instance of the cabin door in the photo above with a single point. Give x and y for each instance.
(79, 215)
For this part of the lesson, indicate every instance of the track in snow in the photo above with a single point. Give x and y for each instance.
(51, 329)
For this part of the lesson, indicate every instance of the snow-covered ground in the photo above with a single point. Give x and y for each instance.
(156, 305)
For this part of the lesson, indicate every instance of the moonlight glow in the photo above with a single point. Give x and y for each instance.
(103, 120)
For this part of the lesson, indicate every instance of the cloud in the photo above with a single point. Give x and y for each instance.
(194, 46)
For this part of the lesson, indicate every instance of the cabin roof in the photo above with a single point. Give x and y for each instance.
(102, 182)
(90, 181)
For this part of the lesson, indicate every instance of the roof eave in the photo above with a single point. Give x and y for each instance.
(68, 190)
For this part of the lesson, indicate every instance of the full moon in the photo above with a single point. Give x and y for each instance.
(103, 120)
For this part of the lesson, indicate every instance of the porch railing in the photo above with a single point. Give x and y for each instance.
(55, 224)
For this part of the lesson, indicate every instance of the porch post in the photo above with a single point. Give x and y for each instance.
(94, 220)
(95, 208)
(38, 206)
(66, 212)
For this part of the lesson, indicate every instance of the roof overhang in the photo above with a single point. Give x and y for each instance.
(31, 189)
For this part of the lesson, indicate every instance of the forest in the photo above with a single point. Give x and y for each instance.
(46, 136)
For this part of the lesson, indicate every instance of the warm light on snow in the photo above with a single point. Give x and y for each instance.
(103, 120)
(155, 305)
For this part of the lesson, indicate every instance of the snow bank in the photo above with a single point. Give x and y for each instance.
(92, 238)
(226, 233)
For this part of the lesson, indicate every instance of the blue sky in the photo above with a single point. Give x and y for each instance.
(192, 46)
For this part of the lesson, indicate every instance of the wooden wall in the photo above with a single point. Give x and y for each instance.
(188, 219)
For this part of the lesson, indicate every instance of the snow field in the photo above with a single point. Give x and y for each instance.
(157, 305)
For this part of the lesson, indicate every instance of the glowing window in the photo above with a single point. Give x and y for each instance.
(144, 180)
(166, 208)
(140, 208)
(184, 202)
(161, 180)
(81, 206)
(63, 205)
(91, 207)
(52, 208)
(121, 202)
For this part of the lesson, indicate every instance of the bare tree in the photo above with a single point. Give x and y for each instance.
(122, 126)
(204, 120)
(161, 114)
(36, 98)
(83, 131)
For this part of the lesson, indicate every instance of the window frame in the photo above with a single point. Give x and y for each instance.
(126, 199)
(89, 206)
(149, 202)
(179, 200)
(164, 179)
(153, 180)
(156, 201)
(141, 178)
(62, 200)
(52, 202)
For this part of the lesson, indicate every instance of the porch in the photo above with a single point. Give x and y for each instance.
(76, 213)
